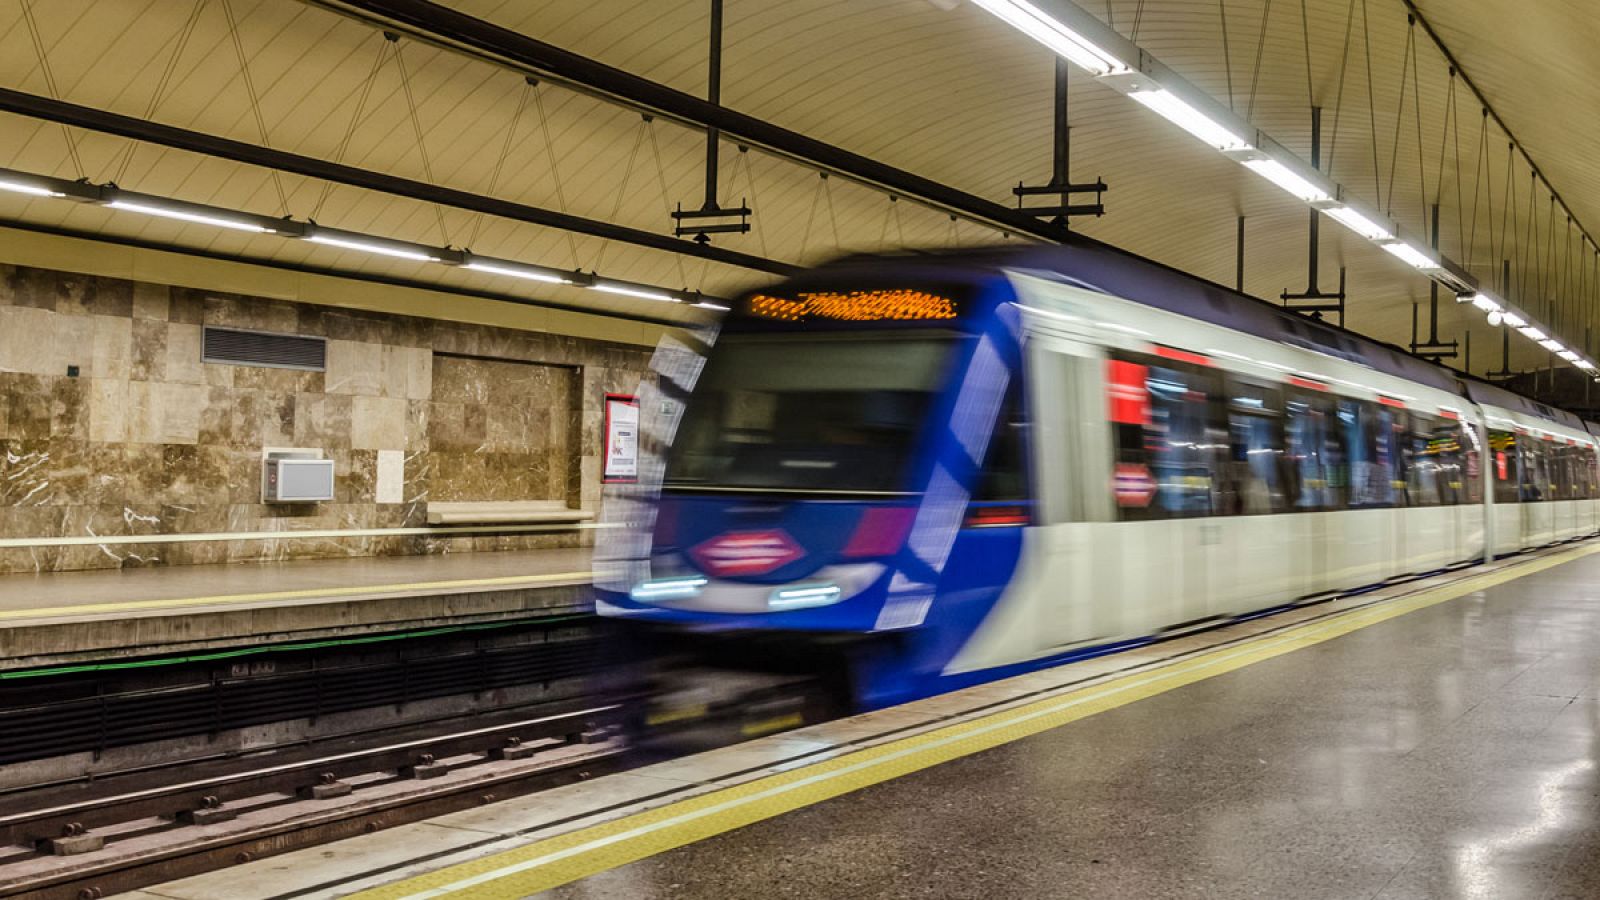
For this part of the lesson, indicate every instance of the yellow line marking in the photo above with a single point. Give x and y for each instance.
(306, 594)
(565, 858)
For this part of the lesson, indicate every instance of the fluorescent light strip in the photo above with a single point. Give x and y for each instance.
(1532, 333)
(1410, 255)
(1035, 23)
(1170, 107)
(642, 293)
(368, 247)
(166, 212)
(1288, 179)
(33, 190)
(705, 304)
(1553, 345)
(1360, 224)
(518, 272)
(1485, 303)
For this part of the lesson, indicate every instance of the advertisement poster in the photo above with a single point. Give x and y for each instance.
(622, 438)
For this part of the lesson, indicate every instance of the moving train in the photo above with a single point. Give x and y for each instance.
(896, 476)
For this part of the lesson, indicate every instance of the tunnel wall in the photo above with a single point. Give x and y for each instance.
(147, 440)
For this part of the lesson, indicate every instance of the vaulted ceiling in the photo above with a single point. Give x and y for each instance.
(935, 87)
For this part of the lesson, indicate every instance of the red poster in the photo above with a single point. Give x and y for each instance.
(1130, 401)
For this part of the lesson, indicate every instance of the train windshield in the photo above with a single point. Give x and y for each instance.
(825, 412)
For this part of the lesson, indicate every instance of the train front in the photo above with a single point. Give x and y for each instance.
(826, 533)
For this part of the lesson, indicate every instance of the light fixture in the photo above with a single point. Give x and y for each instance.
(1553, 345)
(1568, 355)
(803, 596)
(1485, 303)
(1358, 222)
(706, 304)
(1288, 179)
(1047, 30)
(22, 187)
(1172, 108)
(515, 272)
(1532, 333)
(1584, 364)
(628, 291)
(1410, 255)
(183, 215)
(1512, 319)
(366, 245)
(1496, 317)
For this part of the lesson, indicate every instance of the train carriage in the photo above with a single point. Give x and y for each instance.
(911, 474)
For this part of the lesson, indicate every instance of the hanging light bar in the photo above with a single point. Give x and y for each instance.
(1118, 63)
(1212, 133)
(1360, 223)
(1052, 32)
(1411, 256)
(23, 187)
(112, 197)
(187, 213)
(1290, 181)
(632, 290)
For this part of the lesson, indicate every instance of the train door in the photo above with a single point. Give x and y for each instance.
(1505, 474)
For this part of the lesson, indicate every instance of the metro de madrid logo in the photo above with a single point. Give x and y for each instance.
(746, 553)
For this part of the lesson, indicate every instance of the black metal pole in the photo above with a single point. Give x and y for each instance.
(1238, 277)
(1316, 217)
(1061, 156)
(714, 95)
(1433, 289)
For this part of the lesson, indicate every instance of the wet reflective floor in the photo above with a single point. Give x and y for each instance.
(1450, 752)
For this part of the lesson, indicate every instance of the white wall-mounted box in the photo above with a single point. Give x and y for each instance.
(285, 480)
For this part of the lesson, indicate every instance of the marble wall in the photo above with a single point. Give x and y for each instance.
(145, 439)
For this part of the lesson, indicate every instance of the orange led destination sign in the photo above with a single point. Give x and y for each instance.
(855, 306)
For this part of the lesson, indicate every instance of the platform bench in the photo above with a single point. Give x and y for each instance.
(539, 512)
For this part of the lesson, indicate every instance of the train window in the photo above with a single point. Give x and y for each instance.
(1504, 466)
(1393, 457)
(1471, 463)
(1535, 485)
(1368, 459)
(1253, 477)
(1004, 466)
(1163, 448)
(1440, 474)
(1315, 455)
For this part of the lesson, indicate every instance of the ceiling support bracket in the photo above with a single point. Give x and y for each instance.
(1060, 184)
(711, 218)
(1314, 301)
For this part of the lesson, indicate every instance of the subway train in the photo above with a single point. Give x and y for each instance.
(896, 476)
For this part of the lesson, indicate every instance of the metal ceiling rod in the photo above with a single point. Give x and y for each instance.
(100, 120)
(1483, 102)
(449, 28)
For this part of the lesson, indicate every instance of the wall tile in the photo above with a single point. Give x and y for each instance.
(108, 410)
(183, 354)
(151, 301)
(148, 361)
(27, 340)
(354, 367)
(378, 423)
(113, 347)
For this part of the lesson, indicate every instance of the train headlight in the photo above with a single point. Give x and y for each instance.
(801, 596)
(659, 589)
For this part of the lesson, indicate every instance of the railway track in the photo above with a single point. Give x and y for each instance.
(91, 838)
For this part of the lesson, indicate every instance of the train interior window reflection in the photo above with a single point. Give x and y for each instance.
(1255, 476)
(1504, 466)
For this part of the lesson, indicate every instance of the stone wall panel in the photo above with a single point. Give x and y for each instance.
(147, 440)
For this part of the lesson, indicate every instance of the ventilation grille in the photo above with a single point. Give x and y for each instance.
(255, 348)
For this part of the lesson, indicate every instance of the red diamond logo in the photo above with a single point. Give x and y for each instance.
(746, 553)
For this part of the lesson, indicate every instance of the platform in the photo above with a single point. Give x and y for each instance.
(58, 618)
(1437, 739)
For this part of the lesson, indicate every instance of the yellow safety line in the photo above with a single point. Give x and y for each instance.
(558, 860)
(307, 594)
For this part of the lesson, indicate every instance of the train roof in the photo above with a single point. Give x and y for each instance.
(1494, 395)
(1101, 267)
